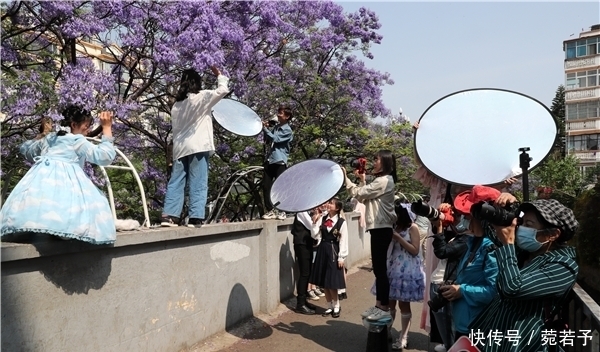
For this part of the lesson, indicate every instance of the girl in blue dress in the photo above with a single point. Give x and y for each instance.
(405, 270)
(55, 196)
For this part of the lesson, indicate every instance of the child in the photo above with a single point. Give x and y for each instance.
(405, 270)
(193, 144)
(281, 137)
(327, 272)
(55, 196)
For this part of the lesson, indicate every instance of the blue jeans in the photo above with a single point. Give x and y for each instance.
(192, 169)
(443, 318)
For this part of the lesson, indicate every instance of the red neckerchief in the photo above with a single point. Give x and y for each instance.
(328, 223)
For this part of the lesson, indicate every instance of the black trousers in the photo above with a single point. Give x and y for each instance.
(303, 254)
(271, 172)
(380, 241)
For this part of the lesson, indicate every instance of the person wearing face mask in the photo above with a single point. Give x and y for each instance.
(449, 246)
(475, 284)
(531, 286)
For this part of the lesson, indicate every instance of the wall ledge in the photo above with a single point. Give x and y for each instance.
(33, 245)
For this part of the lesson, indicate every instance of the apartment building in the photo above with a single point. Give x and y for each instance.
(582, 97)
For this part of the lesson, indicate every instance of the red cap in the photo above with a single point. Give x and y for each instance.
(478, 193)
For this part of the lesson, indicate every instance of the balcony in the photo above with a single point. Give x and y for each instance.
(587, 156)
(582, 94)
(586, 62)
(587, 125)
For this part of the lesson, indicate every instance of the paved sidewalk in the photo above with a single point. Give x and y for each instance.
(288, 331)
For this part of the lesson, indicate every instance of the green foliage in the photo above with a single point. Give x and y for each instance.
(397, 137)
(558, 112)
(586, 212)
(560, 174)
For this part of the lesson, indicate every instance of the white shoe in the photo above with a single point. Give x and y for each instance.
(318, 292)
(281, 216)
(368, 312)
(379, 314)
(270, 215)
(401, 344)
(312, 295)
(440, 348)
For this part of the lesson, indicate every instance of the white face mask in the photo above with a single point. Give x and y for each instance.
(526, 239)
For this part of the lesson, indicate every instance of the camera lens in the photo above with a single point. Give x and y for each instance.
(494, 214)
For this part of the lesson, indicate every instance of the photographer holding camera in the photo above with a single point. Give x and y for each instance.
(475, 284)
(280, 136)
(534, 286)
(449, 245)
(378, 197)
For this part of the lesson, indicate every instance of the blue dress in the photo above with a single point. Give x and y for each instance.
(55, 196)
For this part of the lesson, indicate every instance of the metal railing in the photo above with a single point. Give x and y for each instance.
(131, 168)
(584, 321)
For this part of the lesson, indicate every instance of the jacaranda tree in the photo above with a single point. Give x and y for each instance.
(305, 54)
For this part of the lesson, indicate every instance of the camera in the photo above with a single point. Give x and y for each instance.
(438, 302)
(500, 216)
(272, 123)
(424, 209)
(359, 164)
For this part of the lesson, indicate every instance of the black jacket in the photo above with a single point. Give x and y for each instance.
(452, 247)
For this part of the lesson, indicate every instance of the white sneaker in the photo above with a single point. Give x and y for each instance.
(379, 314)
(368, 312)
(312, 295)
(270, 215)
(440, 348)
(318, 292)
(281, 216)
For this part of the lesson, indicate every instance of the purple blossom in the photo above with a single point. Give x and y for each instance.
(222, 148)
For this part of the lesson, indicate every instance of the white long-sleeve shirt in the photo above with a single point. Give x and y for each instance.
(378, 198)
(316, 234)
(192, 121)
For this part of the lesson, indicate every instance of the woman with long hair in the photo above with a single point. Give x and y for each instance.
(378, 198)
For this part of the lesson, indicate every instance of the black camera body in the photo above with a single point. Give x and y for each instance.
(494, 214)
(438, 302)
(272, 123)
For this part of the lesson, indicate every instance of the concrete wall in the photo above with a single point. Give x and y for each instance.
(156, 290)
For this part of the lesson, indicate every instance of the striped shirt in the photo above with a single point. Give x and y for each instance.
(519, 308)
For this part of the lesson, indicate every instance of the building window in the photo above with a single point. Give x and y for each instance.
(585, 110)
(582, 79)
(570, 50)
(582, 143)
(583, 47)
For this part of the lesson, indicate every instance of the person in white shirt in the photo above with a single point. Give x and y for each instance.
(327, 271)
(193, 144)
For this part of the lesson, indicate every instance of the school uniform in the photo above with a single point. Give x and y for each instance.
(333, 248)
(303, 248)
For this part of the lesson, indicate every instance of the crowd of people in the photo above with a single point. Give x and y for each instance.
(477, 275)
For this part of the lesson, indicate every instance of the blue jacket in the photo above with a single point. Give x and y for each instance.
(477, 282)
(281, 138)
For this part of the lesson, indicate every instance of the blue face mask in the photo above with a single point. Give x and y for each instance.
(526, 239)
(463, 225)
